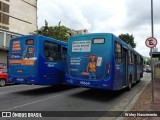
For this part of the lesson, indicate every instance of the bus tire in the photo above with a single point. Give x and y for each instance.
(2, 82)
(138, 81)
(129, 84)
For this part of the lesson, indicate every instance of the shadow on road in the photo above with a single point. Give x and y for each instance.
(45, 90)
(98, 95)
(84, 94)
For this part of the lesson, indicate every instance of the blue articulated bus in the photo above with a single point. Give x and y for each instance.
(36, 59)
(102, 60)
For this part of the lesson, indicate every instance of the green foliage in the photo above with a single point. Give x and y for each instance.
(56, 32)
(148, 62)
(129, 39)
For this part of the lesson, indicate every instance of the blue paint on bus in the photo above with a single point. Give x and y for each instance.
(36, 59)
(102, 60)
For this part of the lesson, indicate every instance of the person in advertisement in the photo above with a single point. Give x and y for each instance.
(30, 52)
(91, 67)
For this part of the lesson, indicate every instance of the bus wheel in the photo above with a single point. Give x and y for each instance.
(130, 84)
(138, 81)
(2, 82)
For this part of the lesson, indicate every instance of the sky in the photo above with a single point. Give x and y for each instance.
(106, 16)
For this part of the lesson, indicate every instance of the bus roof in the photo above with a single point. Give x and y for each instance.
(38, 35)
(89, 34)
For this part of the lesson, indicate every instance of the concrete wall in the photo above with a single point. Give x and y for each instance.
(22, 20)
(3, 56)
(5, 37)
(23, 16)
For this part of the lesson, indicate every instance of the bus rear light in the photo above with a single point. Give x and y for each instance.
(108, 71)
(106, 85)
(108, 68)
(19, 71)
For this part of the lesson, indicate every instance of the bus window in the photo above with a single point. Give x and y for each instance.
(129, 54)
(124, 54)
(132, 57)
(64, 54)
(139, 60)
(98, 41)
(46, 49)
(118, 53)
(29, 42)
(52, 51)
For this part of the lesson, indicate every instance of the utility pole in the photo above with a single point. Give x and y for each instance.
(152, 32)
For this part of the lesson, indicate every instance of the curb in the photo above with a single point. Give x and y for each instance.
(132, 103)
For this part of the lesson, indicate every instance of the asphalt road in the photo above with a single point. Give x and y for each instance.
(65, 98)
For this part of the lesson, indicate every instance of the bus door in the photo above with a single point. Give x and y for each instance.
(125, 61)
(135, 67)
(52, 62)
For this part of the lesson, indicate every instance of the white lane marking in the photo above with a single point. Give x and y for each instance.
(70, 91)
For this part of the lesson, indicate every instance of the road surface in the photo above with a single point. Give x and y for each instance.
(65, 98)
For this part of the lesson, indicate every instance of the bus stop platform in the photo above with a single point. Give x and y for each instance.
(151, 105)
(155, 105)
(145, 103)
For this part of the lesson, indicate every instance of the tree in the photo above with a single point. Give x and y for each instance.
(129, 39)
(148, 61)
(57, 32)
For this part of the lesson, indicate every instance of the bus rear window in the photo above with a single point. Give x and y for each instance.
(30, 42)
(98, 40)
